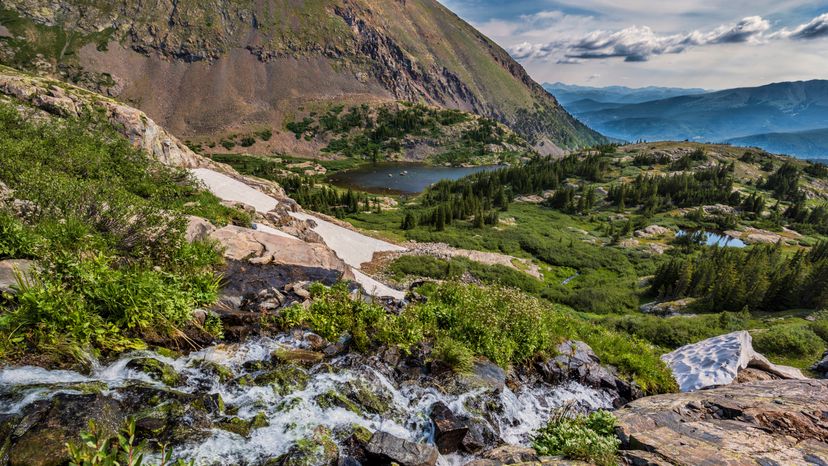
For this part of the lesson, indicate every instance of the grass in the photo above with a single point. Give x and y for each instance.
(105, 224)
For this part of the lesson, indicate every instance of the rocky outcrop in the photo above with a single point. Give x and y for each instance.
(515, 455)
(718, 361)
(652, 231)
(40, 434)
(777, 422)
(258, 261)
(576, 361)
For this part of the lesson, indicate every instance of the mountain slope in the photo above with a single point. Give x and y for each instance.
(811, 143)
(721, 115)
(203, 68)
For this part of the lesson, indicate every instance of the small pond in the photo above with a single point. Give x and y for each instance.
(400, 178)
(713, 238)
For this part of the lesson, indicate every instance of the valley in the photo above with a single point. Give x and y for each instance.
(344, 232)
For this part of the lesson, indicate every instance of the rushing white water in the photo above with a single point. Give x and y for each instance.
(295, 416)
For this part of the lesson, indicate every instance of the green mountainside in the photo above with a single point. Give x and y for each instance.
(207, 68)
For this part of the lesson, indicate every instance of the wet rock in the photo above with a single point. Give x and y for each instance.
(768, 422)
(576, 361)
(46, 427)
(156, 369)
(318, 450)
(372, 398)
(242, 427)
(353, 441)
(449, 431)
(9, 271)
(213, 403)
(385, 448)
(284, 379)
(221, 372)
(297, 356)
(481, 435)
(335, 399)
(316, 342)
(167, 415)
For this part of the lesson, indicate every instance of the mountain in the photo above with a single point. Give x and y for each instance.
(718, 116)
(203, 68)
(806, 144)
(571, 93)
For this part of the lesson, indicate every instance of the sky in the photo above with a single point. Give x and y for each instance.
(710, 44)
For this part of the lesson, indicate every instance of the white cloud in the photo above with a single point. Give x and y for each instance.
(815, 29)
(639, 43)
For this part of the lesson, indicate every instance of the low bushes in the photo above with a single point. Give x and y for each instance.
(452, 269)
(105, 224)
(790, 341)
(504, 325)
(588, 438)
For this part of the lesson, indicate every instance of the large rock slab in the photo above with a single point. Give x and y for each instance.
(260, 261)
(718, 360)
(769, 422)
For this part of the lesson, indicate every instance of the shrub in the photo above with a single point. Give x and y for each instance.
(820, 326)
(588, 438)
(16, 240)
(454, 354)
(247, 141)
(502, 324)
(265, 134)
(106, 225)
(788, 341)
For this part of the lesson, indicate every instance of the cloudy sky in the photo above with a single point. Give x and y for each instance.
(713, 44)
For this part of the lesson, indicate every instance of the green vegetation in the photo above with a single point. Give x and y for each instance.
(307, 190)
(453, 269)
(588, 438)
(105, 225)
(761, 278)
(370, 133)
(502, 324)
(786, 338)
(98, 449)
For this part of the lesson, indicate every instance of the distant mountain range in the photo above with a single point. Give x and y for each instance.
(811, 144)
(787, 117)
(569, 93)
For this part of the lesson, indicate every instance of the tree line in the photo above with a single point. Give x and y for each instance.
(761, 278)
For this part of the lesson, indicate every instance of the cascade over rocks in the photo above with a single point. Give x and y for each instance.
(576, 361)
(768, 422)
(39, 435)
